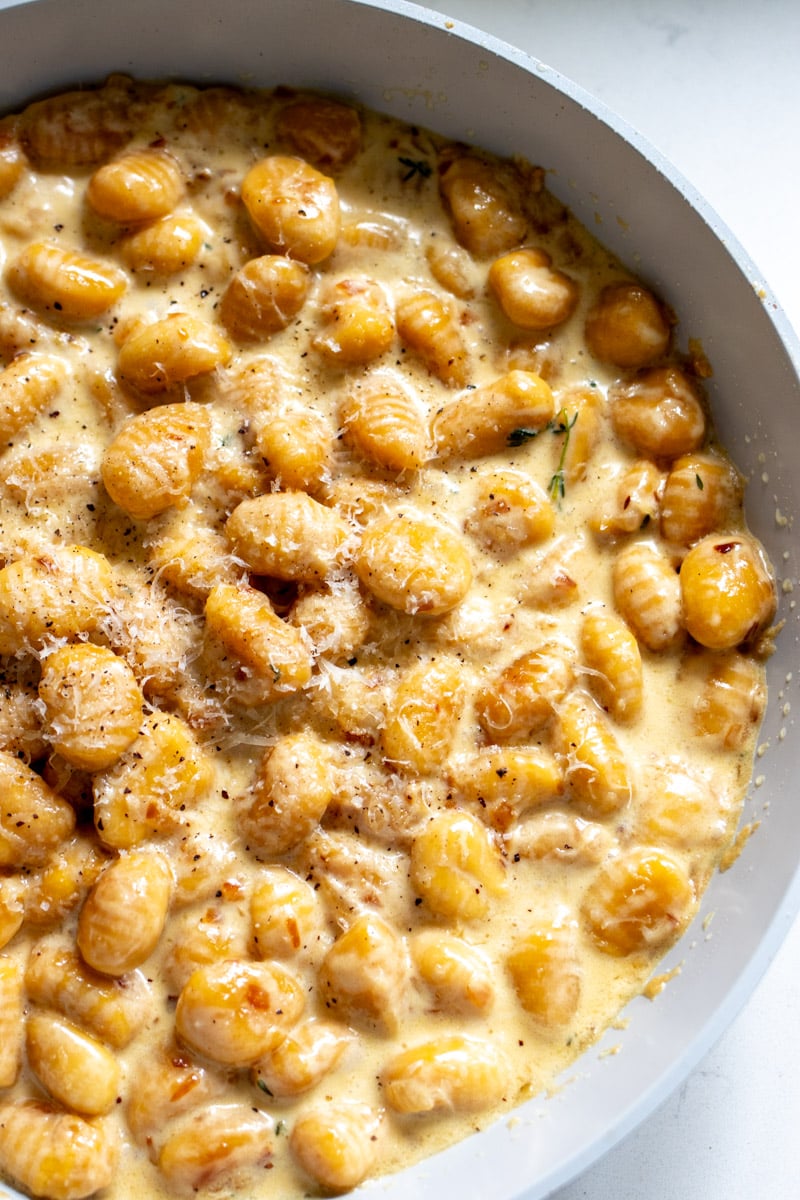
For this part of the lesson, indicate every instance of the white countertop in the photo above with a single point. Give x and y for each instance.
(714, 85)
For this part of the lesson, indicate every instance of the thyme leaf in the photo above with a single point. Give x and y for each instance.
(518, 437)
(562, 423)
(415, 166)
(557, 487)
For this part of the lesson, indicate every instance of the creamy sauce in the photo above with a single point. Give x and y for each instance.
(548, 968)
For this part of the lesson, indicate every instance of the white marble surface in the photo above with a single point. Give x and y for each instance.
(714, 85)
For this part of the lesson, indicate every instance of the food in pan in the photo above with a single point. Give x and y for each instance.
(381, 636)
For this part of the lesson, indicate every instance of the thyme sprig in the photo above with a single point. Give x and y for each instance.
(562, 423)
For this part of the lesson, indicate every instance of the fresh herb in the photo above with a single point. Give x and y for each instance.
(562, 424)
(260, 1083)
(557, 487)
(415, 166)
(280, 1127)
(699, 482)
(518, 437)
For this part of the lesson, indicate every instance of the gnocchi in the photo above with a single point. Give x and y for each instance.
(65, 282)
(235, 1012)
(140, 185)
(454, 1072)
(93, 704)
(155, 460)
(293, 206)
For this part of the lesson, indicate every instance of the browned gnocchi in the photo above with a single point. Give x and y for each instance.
(381, 641)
